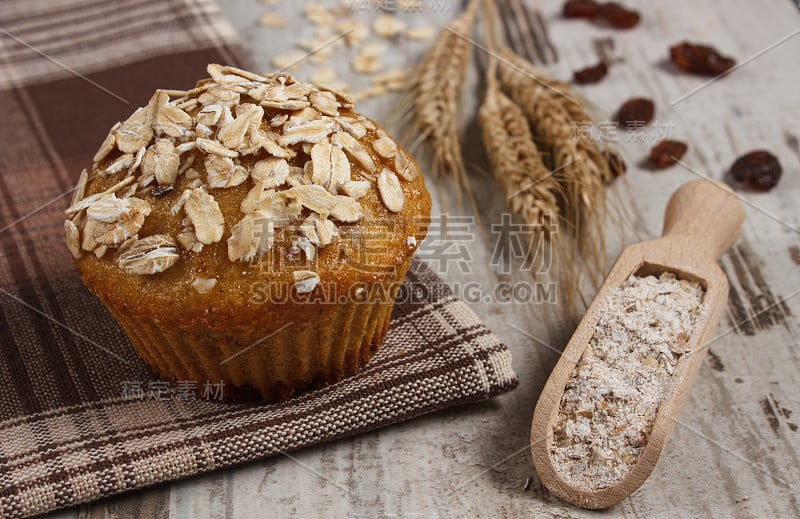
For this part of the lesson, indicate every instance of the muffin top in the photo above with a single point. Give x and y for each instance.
(246, 178)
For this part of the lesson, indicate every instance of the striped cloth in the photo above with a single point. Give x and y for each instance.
(81, 415)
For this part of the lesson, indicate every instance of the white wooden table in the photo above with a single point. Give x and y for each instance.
(735, 452)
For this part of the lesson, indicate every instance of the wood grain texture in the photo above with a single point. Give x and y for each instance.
(736, 450)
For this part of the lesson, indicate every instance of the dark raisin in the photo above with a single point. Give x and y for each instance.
(590, 74)
(581, 9)
(635, 113)
(667, 153)
(758, 169)
(700, 59)
(618, 16)
(161, 189)
(616, 164)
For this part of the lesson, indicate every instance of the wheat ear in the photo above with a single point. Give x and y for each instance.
(527, 184)
(579, 163)
(529, 187)
(437, 90)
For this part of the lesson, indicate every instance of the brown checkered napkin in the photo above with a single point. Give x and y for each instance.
(81, 415)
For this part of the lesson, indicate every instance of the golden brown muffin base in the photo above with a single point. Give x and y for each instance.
(266, 362)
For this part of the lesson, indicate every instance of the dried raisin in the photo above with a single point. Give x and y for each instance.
(618, 16)
(700, 59)
(636, 112)
(581, 9)
(667, 153)
(611, 13)
(590, 74)
(758, 169)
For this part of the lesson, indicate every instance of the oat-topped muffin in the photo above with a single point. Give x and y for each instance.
(253, 230)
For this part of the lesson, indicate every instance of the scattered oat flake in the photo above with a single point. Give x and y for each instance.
(269, 141)
(173, 121)
(324, 75)
(317, 230)
(219, 94)
(289, 61)
(87, 243)
(188, 239)
(105, 148)
(305, 281)
(149, 255)
(404, 167)
(136, 131)
(209, 115)
(410, 6)
(303, 116)
(307, 247)
(123, 226)
(204, 285)
(353, 127)
(314, 197)
(254, 197)
(325, 103)
(109, 209)
(355, 188)
(272, 19)
(355, 149)
(311, 132)
(390, 191)
(273, 172)
(162, 161)
(73, 238)
(223, 172)
(366, 63)
(372, 91)
(319, 14)
(373, 48)
(341, 88)
(330, 166)
(211, 146)
(122, 163)
(279, 206)
(185, 146)
(205, 215)
(251, 236)
(354, 31)
(80, 187)
(388, 26)
(385, 146)
(424, 33)
(396, 79)
(278, 120)
(346, 209)
(89, 200)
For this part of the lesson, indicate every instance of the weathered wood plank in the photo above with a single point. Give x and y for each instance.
(152, 503)
(735, 451)
(725, 459)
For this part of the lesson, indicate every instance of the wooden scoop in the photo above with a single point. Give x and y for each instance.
(702, 220)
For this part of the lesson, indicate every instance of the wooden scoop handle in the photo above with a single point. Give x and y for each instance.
(707, 214)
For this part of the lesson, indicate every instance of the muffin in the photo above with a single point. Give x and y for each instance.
(254, 231)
